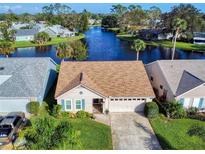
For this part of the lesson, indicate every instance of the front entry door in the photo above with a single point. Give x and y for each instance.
(97, 105)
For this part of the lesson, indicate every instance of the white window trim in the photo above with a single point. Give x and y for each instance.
(71, 105)
(80, 104)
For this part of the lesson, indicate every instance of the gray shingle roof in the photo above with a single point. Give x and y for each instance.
(26, 32)
(183, 75)
(27, 76)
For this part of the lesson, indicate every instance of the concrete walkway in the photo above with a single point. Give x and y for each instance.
(132, 131)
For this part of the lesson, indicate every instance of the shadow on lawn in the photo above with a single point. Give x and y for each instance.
(152, 142)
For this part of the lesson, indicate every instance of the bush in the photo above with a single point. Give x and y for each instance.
(68, 115)
(192, 111)
(174, 109)
(33, 107)
(151, 109)
(83, 114)
(197, 130)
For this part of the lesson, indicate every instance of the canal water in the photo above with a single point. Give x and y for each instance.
(105, 46)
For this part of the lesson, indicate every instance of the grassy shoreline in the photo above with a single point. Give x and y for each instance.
(54, 41)
(166, 43)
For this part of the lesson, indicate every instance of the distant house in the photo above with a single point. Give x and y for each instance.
(23, 80)
(199, 38)
(98, 87)
(154, 34)
(25, 34)
(183, 80)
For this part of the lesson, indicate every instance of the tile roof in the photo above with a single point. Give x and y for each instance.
(181, 72)
(24, 76)
(119, 78)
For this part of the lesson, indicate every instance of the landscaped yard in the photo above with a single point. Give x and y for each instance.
(166, 43)
(172, 134)
(94, 135)
(54, 41)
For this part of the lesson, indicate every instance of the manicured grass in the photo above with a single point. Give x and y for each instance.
(54, 41)
(94, 135)
(115, 30)
(166, 43)
(172, 134)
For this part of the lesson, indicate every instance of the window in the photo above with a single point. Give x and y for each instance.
(120, 99)
(134, 99)
(138, 99)
(112, 99)
(181, 101)
(116, 99)
(129, 99)
(201, 102)
(151, 78)
(78, 104)
(161, 87)
(63, 104)
(68, 105)
(125, 99)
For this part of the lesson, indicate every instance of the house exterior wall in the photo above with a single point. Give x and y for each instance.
(79, 93)
(13, 104)
(155, 72)
(25, 38)
(192, 96)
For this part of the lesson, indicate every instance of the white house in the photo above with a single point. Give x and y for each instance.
(23, 80)
(121, 86)
(25, 34)
(183, 80)
(199, 38)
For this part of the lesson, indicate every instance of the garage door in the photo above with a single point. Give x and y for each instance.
(11, 105)
(126, 105)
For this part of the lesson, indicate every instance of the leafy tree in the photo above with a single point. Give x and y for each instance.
(83, 22)
(7, 33)
(179, 25)
(118, 9)
(133, 7)
(74, 50)
(109, 21)
(6, 48)
(138, 45)
(41, 38)
(154, 14)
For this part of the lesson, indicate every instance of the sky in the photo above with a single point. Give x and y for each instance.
(91, 7)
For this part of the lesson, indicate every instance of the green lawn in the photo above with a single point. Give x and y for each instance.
(172, 134)
(94, 135)
(165, 43)
(54, 41)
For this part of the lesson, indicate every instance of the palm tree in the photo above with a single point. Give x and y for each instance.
(64, 50)
(179, 25)
(138, 45)
(6, 48)
(41, 38)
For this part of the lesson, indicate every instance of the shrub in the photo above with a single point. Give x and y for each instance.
(197, 130)
(68, 115)
(192, 111)
(174, 109)
(151, 109)
(33, 107)
(83, 114)
(56, 110)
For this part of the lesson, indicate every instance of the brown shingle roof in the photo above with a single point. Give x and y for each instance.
(117, 79)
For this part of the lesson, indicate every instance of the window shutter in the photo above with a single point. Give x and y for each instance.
(63, 104)
(181, 101)
(83, 104)
(201, 103)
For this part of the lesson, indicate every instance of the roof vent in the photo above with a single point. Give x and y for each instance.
(1, 68)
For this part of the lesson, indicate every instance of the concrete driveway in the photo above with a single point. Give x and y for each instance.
(132, 131)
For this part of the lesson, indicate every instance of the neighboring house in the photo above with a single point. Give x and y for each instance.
(199, 38)
(154, 34)
(98, 87)
(23, 80)
(25, 34)
(183, 80)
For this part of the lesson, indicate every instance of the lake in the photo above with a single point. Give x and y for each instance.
(104, 46)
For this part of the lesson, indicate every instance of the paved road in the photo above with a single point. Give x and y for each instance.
(132, 131)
